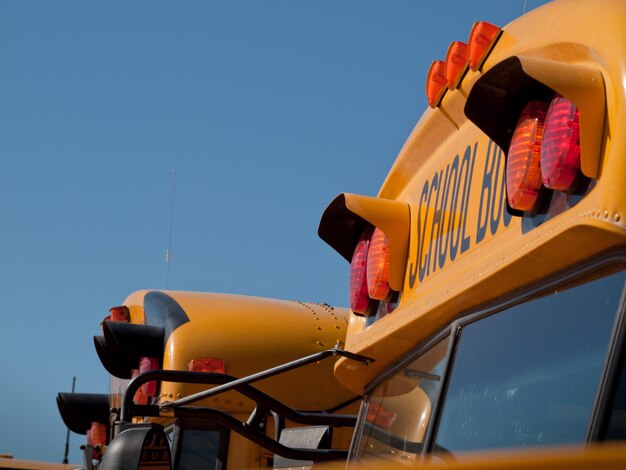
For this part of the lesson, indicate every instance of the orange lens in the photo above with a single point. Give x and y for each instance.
(380, 416)
(482, 39)
(120, 313)
(456, 64)
(140, 398)
(523, 165)
(436, 83)
(98, 434)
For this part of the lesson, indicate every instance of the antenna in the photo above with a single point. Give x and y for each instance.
(525, 6)
(168, 253)
(67, 437)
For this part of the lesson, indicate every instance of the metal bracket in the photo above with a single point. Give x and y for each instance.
(336, 352)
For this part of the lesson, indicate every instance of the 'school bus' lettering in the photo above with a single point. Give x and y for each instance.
(444, 226)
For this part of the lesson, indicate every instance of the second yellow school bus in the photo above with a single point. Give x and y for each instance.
(190, 342)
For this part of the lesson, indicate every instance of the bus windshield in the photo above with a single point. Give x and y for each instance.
(525, 376)
(528, 376)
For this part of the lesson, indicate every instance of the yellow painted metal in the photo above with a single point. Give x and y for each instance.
(606, 457)
(465, 254)
(390, 216)
(15, 464)
(251, 334)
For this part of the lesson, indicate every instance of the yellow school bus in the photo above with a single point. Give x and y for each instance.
(487, 307)
(175, 345)
(487, 276)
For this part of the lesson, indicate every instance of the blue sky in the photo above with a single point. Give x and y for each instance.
(266, 110)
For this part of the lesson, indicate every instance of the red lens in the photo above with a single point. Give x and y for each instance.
(359, 298)
(120, 313)
(523, 166)
(378, 266)
(149, 389)
(560, 148)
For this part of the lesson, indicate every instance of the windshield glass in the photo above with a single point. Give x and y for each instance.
(398, 411)
(528, 376)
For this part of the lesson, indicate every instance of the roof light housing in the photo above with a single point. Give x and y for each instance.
(79, 410)
(123, 344)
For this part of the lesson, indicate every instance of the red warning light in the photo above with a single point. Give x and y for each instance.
(560, 148)
(523, 167)
(359, 297)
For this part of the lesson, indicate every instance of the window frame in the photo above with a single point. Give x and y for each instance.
(614, 366)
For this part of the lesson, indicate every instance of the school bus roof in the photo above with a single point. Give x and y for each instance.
(249, 334)
(465, 249)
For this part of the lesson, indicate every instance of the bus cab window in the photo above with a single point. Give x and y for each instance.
(398, 411)
(528, 376)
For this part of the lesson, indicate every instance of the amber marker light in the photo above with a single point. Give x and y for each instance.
(120, 313)
(456, 64)
(98, 434)
(523, 164)
(380, 416)
(481, 41)
(140, 398)
(206, 364)
(378, 266)
(436, 83)
(560, 147)
(146, 364)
